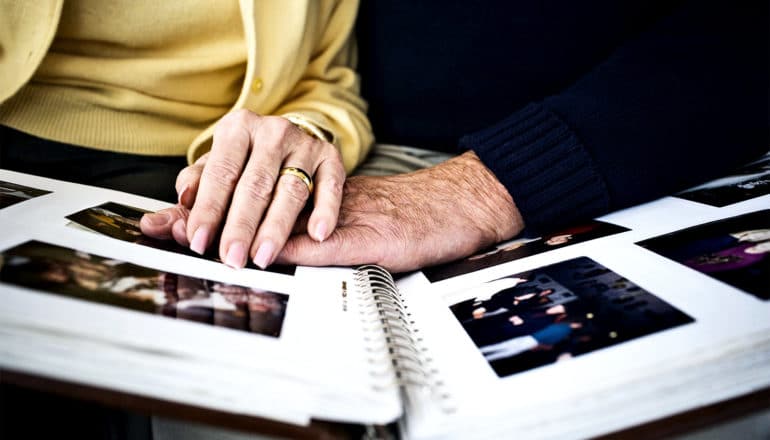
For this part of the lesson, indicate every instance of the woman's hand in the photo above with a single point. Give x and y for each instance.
(237, 188)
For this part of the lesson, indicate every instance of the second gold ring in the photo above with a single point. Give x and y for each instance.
(300, 174)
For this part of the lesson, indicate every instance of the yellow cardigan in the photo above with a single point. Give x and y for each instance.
(300, 64)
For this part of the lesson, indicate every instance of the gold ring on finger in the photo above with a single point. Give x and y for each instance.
(300, 174)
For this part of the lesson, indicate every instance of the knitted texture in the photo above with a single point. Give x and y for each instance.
(526, 151)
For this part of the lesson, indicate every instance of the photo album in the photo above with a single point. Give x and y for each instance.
(638, 315)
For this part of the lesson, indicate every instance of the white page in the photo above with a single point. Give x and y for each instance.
(320, 352)
(351, 362)
(303, 358)
(724, 317)
(182, 380)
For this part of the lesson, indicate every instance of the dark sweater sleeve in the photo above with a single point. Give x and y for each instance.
(684, 102)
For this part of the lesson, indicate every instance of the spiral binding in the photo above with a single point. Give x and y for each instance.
(397, 354)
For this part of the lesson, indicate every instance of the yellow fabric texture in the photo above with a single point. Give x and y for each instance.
(148, 77)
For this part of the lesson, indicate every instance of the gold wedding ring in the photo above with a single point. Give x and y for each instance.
(300, 174)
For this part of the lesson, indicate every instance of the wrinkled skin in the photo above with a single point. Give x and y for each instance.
(236, 188)
(413, 220)
(401, 222)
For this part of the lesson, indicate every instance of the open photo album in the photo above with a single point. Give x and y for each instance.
(638, 315)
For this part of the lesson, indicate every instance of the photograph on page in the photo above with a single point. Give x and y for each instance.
(557, 312)
(735, 251)
(122, 222)
(80, 275)
(12, 193)
(752, 180)
(521, 248)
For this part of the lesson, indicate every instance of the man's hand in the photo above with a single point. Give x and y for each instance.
(409, 221)
(236, 189)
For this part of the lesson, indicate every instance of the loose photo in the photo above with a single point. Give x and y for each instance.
(735, 251)
(752, 180)
(557, 312)
(13, 193)
(76, 274)
(521, 248)
(122, 222)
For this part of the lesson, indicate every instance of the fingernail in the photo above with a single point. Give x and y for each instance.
(157, 218)
(320, 231)
(200, 240)
(264, 254)
(181, 194)
(236, 255)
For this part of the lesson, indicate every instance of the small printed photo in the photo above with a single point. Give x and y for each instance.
(521, 248)
(735, 251)
(122, 222)
(12, 193)
(75, 274)
(116, 221)
(557, 312)
(753, 180)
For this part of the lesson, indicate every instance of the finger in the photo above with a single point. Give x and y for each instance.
(329, 179)
(347, 246)
(291, 194)
(159, 224)
(257, 189)
(221, 172)
(179, 232)
(187, 182)
(300, 226)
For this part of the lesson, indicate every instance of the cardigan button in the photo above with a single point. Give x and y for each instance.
(256, 85)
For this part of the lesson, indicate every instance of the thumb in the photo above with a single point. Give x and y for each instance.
(345, 247)
(159, 224)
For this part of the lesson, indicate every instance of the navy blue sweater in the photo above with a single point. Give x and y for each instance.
(578, 108)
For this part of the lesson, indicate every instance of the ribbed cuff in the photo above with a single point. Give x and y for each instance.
(546, 169)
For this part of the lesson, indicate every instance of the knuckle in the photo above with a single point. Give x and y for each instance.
(279, 127)
(237, 119)
(208, 210)
(223, 173)
(334, 186)
(240, 116)
(282, 124)
(272, 137)
(258, 185)
(241, 226)
(294, 189)
(203, 216)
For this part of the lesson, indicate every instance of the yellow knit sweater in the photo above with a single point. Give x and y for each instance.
(149, 77)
